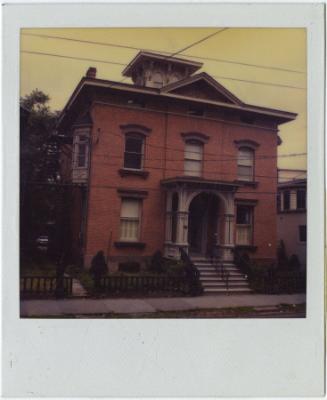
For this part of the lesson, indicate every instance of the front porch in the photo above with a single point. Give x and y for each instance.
(199, 218)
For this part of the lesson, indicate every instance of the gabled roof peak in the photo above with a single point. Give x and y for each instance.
(216, 88)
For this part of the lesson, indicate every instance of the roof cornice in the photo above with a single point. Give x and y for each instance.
(90, 82)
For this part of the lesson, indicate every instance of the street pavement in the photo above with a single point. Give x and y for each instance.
(88, 306)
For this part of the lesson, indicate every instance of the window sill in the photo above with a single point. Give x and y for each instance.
(247, 183)
(249, 247)
(136, 245)
(133, 172)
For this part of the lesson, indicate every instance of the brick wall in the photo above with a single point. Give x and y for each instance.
(107, 158)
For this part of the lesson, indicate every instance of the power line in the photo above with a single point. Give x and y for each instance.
(219, 60)
(121, 64)
(183, 170)
(198, 42)
(41, 183)
(260, 82)
(71, 57)
(263, 156)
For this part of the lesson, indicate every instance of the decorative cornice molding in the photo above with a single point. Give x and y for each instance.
(201, 137)
(141, 129)
(246, 143)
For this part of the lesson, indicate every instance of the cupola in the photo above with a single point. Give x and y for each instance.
(157, 70)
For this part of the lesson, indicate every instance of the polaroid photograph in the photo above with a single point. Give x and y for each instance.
(163, 200)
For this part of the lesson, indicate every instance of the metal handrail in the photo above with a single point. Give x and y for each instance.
(192, 273)
(220, 269)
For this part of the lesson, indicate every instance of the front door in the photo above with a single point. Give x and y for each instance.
(197, 224)
(202, 224)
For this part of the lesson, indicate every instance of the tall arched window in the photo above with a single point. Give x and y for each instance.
(245, 164)
(134, 151)
(193, 158)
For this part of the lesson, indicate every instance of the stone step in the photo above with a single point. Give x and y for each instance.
(226, 265)
(223, 284)
(218, 279)
(225, 291)
(213, 269)
(217, 276)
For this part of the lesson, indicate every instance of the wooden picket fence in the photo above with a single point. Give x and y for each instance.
(39, 286)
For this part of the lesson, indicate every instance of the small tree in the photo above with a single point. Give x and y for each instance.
(281, 255)
(98, 267)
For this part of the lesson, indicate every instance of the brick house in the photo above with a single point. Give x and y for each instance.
(172, 160)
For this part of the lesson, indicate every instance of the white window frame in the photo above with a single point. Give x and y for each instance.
(192, 158)
(78, 141)
(136, 238)
(249, 226)
(135, 135)
(244, 163)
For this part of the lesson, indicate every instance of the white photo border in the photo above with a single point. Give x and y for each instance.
(160, 357)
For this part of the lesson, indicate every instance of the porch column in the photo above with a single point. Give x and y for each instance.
(182, 220)
(168, 218)
(228, 246)
(182, 229)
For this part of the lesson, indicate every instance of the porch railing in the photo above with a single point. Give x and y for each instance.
(216, 259)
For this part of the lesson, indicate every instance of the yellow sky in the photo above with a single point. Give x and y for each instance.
(277, 48)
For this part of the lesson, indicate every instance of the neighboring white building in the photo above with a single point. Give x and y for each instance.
(292, 213)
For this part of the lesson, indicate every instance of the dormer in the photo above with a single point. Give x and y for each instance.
(156, 70)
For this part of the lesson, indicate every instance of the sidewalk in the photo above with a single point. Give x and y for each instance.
(35, 308)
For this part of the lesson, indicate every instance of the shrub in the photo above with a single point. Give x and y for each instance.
(157, 263)
(129, 267)
(98, 265)
(281, 255)
(175, 267)
(294, 262)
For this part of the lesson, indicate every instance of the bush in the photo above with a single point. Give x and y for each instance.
(294, 263)
(129, 267)
(281, 255)
(175, 267)
(157, 263)
(98, 265)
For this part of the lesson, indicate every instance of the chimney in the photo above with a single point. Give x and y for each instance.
(91, 73)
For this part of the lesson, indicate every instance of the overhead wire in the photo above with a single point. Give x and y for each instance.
(219, 60)
(264, 83)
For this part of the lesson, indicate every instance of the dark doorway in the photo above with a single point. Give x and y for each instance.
(202, 223)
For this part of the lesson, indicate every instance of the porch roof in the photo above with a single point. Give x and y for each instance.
(199, 183)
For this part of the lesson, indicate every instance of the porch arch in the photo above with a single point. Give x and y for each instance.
(187, 191)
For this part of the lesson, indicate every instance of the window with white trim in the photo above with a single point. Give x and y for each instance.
(130, 220)
(134, 151)
(244, 225)
(245, 164)
(193, 158)
(81, 150)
